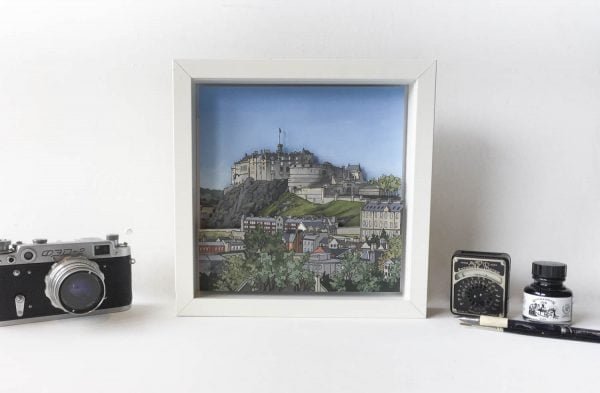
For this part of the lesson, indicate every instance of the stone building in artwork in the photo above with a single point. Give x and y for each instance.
(376, 216)
(306, 176)
(273, 225)
(268, 165)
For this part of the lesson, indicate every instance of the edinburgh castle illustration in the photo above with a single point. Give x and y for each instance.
(307, 177)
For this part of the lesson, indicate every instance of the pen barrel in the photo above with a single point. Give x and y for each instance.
(553, 331)
(534, 329)
(579, 334)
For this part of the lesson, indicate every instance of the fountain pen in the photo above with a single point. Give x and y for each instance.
(533, 328)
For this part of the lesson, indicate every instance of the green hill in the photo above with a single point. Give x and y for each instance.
(288, 204)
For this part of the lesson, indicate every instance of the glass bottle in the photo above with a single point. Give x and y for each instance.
(547, 300)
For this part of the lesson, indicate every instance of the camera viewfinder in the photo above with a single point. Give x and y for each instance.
(103, 249)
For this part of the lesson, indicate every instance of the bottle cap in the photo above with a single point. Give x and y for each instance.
(549, 270)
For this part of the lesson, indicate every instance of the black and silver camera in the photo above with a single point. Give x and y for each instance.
(480, 283)
(42, 281)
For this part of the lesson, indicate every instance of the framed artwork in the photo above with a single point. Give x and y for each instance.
(303, 187)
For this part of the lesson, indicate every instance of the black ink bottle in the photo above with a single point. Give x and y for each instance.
(547, 299)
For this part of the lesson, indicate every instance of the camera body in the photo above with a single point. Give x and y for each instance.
(42, 281)
(480, 283)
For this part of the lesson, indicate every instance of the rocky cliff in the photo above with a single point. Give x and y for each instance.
(248, 198)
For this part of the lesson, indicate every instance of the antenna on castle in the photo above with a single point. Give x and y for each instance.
(279, 145)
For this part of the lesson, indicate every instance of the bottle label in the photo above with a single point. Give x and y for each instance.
(547, 309)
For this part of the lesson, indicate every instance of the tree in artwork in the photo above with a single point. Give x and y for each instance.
(266, 266)
(394, 254)
(357, 275)
(235, 273)
(390, 184)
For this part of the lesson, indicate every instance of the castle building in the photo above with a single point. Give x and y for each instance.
(301, 168)
(376, 216)
(268, 165)
(316, 175)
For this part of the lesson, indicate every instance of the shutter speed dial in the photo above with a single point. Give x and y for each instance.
(479, 295)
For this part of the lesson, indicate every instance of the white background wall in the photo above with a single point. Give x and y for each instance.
(86, 125)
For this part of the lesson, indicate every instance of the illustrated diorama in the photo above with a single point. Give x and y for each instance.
(301, 188)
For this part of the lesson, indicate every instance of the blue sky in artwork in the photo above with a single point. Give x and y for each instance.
(340, 124)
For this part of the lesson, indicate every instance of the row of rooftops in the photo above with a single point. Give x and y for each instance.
(310, 220)
(379, 206)
(220, 242)
(294, 220)
(375, 206)
(289, 238)
(320, 254)
(259, 219)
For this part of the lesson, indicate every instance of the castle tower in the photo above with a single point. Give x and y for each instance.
(280, 145)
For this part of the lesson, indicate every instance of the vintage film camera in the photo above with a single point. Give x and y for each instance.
(43, 281)
(480, 283)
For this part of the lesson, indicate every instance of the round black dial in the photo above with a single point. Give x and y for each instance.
(478, 295)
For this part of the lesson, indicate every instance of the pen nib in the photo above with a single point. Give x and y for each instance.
(469, 320)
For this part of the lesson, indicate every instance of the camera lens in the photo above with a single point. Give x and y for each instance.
(75, 285)
(81, 292)
(28, 255)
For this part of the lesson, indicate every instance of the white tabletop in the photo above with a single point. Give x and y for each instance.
(149, 349)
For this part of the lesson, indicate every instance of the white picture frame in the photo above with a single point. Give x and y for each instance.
(419, 76)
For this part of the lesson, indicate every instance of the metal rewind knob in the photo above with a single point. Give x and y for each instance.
(4, 245)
